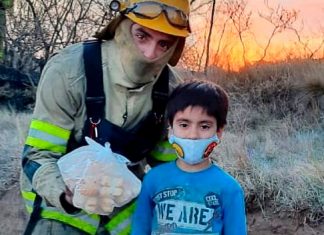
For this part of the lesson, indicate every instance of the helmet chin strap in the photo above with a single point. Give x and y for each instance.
(138, 69)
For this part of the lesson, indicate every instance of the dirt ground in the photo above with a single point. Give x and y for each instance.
(13, 219)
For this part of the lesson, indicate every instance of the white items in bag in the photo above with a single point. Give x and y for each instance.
(98, 178)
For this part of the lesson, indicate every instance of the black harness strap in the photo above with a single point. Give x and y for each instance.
(35, 215)
(95, 99)
(29, 168)
(160, 95)
(137, 142)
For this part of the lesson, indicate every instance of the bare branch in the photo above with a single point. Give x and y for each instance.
(281, 19)
(241, 20)
(41, 27)
(210, 33)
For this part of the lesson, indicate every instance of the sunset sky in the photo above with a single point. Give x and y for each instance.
(311, 12)
(309, 23)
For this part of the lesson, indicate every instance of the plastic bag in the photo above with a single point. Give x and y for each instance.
(98, 178)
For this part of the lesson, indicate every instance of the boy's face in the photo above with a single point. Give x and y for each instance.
(194, 123)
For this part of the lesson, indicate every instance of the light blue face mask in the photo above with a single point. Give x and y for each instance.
(193, 151)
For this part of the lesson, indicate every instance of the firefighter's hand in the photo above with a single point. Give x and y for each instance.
(66, 201)
(68, 196)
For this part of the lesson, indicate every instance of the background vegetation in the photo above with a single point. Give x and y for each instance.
(273, 143)
(274, 139)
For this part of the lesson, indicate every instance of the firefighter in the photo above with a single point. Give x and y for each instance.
(122, 102)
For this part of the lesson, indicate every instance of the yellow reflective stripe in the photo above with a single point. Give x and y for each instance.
(122, 216)
(29, 209)
(167, 151)
(123, 228)
(76, 222)
(44, 135)
(126, 231)
(28, 195)
(29, 200)
(50, 129)
(42, 144)
(48, 213)
(164, 152)
(163, 157)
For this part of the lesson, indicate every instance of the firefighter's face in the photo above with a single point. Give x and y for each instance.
(151, 43)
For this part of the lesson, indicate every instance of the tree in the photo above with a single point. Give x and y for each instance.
(39, 28)
(281, 20)
(4, 5)
(210, 33)
(241, 20)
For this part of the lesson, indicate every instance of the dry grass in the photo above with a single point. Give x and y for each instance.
(279, 173)
(13, 128)
(273, 143)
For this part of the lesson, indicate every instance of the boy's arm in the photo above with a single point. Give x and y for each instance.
(143, 216)
(234, 213)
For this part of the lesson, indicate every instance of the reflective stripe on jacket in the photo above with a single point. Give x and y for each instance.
(164, 152)
(43, 135)
(119, 224)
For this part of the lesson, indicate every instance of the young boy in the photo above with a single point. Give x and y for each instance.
(192, 195)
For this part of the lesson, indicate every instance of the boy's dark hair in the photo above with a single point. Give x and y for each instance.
(205, 94)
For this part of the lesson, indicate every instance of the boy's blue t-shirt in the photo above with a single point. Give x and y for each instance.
(173, 201)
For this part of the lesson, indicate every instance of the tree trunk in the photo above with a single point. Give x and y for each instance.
(4, 4)
(2, 30)
(210, 34)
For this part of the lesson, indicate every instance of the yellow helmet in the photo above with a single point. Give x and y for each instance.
(159, 22)
(166, 16)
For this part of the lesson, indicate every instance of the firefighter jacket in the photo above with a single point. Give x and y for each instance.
(60, 114)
